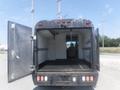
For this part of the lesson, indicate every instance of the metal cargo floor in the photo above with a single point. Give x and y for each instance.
(64, 65)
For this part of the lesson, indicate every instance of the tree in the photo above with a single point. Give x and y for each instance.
(109, 42)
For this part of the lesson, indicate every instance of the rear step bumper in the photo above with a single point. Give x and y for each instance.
(65, 78)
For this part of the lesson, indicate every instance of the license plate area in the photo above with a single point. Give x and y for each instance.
(64, 78)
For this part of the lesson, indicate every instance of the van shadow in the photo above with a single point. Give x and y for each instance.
(63, 88)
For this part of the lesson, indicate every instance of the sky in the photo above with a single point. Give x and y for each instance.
(105, 14)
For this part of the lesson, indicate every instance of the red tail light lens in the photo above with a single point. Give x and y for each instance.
(91, 78)
(42, 78)
(87, 78)
(38, 78)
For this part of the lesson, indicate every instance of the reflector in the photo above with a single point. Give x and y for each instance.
(87, 78)
(38, 78)
(41, 78)
(91, 78)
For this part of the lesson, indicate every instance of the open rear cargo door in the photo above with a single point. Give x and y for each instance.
(19, 51)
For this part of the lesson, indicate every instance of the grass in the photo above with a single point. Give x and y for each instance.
(110, 49)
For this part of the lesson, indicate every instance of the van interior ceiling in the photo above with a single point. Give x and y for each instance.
(64, 50)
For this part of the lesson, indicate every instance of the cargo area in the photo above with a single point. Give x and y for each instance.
(64, 65)
(64, 50)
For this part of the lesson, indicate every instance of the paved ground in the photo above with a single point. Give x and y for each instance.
(109, 77)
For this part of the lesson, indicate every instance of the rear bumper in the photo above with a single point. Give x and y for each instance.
(65, 78)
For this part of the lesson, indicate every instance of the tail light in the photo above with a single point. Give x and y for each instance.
(42, 78)
(87, 78)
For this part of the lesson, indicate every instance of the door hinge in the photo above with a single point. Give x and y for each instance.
(13, 26)
(33, 37)
(32, 68)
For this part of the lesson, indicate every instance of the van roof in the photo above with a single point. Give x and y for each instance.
(64, 23)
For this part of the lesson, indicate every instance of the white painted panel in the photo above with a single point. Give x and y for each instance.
(57, 47)
(86, 39)
(80, 45)
(42, 43)
(61, 46)
(42, 56)
(87, 44)
(51, 49)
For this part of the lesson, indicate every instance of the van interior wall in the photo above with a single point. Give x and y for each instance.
(43, 46)
(56, 47)
(86, 48)
(80, 45)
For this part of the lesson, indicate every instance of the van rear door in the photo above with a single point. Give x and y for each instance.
(19, 51)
